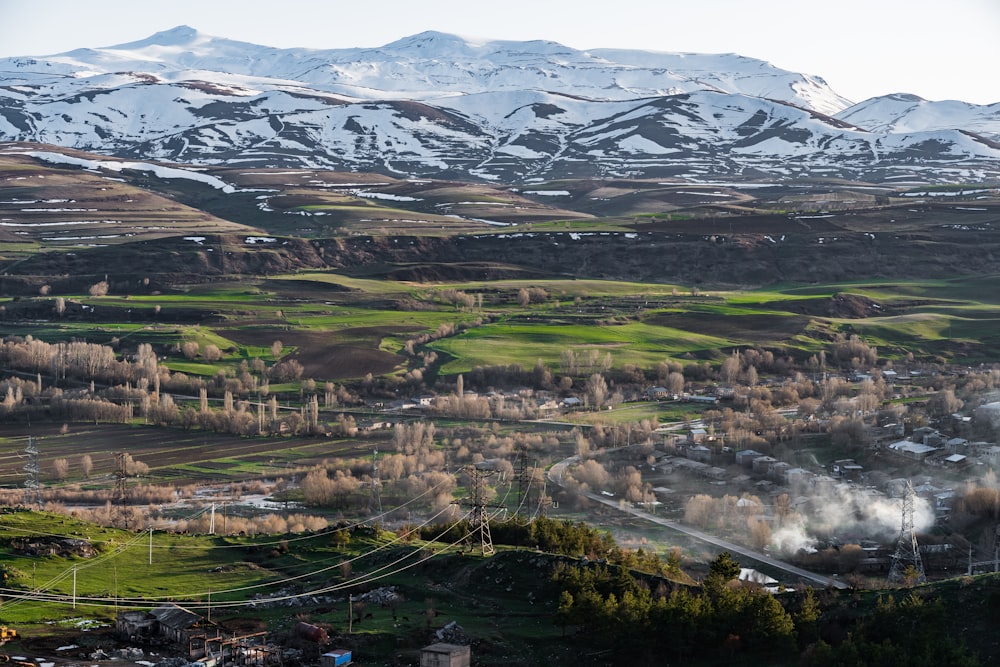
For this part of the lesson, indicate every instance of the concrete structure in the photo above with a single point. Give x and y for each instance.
(445, 655)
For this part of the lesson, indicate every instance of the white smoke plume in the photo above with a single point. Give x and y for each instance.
(847, 514)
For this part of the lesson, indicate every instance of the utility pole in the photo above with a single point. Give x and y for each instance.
(375, 494)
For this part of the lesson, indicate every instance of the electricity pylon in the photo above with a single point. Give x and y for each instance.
(906, 562)
(479, 518)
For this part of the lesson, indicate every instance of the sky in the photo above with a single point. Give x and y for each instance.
(862, 48)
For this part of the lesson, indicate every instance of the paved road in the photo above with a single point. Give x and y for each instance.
(557, 471)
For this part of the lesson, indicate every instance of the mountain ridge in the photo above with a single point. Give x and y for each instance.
(435, 104)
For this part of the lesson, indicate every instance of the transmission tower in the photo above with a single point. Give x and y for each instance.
(906, 562)
(120, 501)
(479, 518)
(375, 497)
(32, 469)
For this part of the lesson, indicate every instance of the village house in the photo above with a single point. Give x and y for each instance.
(991, 455)
(927, 436)
(799, 477)
(912, 450)
(656, 394)
(762, 464)
(776, 471)
(746, 457)
(846, 469)
(699, 453)
(699, 435)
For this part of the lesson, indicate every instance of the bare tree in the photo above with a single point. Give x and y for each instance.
(675, 383)
(597, 390)
(276, 348)
(760, 533)
(86, 465)
(731, 367)
(61, 468)
(99, 289)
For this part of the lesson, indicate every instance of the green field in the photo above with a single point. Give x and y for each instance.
(637, 324)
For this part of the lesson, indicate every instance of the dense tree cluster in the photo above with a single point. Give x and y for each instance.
(613, 609)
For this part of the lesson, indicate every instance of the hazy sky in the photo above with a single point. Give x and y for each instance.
(937, 49)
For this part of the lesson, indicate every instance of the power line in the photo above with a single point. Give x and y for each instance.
(383, 572)
(194, 596)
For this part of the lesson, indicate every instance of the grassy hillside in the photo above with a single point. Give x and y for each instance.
(514, 614)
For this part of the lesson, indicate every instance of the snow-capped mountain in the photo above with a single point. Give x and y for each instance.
(439, 105)
(903, 113)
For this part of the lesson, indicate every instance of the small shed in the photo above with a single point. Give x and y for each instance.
(336, 658)
(956, 460)
(176, 623)
(446, 655)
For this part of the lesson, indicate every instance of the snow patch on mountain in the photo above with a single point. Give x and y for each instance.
(116, 165)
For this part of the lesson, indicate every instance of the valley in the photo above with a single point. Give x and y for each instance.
(569, 357)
